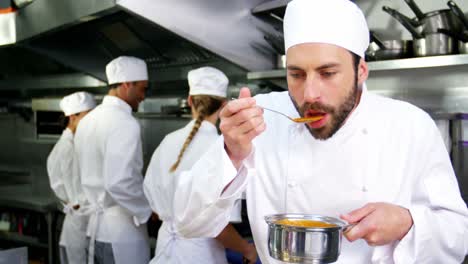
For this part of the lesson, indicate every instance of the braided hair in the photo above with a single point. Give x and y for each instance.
(205, 105)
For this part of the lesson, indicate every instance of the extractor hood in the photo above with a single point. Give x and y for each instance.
(171, 36)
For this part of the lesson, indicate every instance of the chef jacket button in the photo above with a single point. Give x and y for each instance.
(364, 189)
(364, 131)
(292, 184)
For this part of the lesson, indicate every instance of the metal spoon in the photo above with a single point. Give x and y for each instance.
(296, 120)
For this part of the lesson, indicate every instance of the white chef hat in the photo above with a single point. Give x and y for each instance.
(208, 81)
(337, 22)
(126, 69)
(76, 103)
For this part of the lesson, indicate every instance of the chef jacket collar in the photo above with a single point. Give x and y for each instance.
(205, 126)
(116, 101)
(67, 132)
(355, 121)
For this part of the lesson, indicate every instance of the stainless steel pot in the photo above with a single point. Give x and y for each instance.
(430, 22)
(388, 49)
(304, 244)
(459, 14)
(462, 47)
(434, 44)
(461, 39)
(429, 44)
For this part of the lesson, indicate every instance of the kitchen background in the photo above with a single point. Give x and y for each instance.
(50, 48)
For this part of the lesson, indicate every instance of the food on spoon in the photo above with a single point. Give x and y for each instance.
(304, 223)
(307, 119)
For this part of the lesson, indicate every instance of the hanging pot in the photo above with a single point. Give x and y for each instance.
(430, 22)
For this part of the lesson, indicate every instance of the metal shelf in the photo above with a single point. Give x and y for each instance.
(28, 240)
(270, 6)
(387, 65)
(423, 62)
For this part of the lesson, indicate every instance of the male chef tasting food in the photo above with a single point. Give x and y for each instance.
(374, 161)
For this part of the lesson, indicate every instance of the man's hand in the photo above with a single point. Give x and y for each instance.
(379, 223)
(241, 122)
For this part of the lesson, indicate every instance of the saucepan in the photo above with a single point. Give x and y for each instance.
(428, 44)
(388, 49)
(461, 35)
(305, 238)
(430, 22)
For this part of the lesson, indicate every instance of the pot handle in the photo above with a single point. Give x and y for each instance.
(458, 13)
(377, 40)
(415, 8)
(347, 227)
(404, 21)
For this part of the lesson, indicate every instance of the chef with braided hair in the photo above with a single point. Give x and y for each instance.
(206, 98)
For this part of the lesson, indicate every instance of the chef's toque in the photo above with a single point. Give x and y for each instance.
(207, 81)
(337, 22)
(76, 103)
(126, 69)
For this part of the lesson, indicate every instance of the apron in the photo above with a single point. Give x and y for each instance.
(172, 248)
(73, 237)
(114, 225)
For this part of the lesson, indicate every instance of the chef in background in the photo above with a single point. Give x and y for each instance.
(373, 161)
(108, 147)
(65, 181)
(178, 151)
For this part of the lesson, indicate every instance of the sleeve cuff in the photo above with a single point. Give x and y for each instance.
(236, 181)
(405, 250)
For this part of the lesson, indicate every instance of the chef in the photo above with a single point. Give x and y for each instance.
(177, 152)
(108, 147)
(65, 182)
(373, 161)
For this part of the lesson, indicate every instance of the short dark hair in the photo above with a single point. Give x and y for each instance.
(356, 60)
(115, 85)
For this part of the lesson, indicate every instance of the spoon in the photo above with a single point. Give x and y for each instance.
(296, 120)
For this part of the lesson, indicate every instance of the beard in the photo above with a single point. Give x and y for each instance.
(338, 115)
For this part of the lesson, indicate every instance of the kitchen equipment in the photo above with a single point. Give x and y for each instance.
(22, 3)
(388, 49)
(405, 21)
(458, 13)
(461, 39)
(430, 22)
(462, 35)
(304, 244)
(434, 44)
(425, 44)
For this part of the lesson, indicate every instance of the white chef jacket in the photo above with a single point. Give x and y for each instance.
(60, 168)
(108, 148)
(65, 182)
(159, 187)
(387, 151)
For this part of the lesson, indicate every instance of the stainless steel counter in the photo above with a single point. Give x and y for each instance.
(46, 205)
